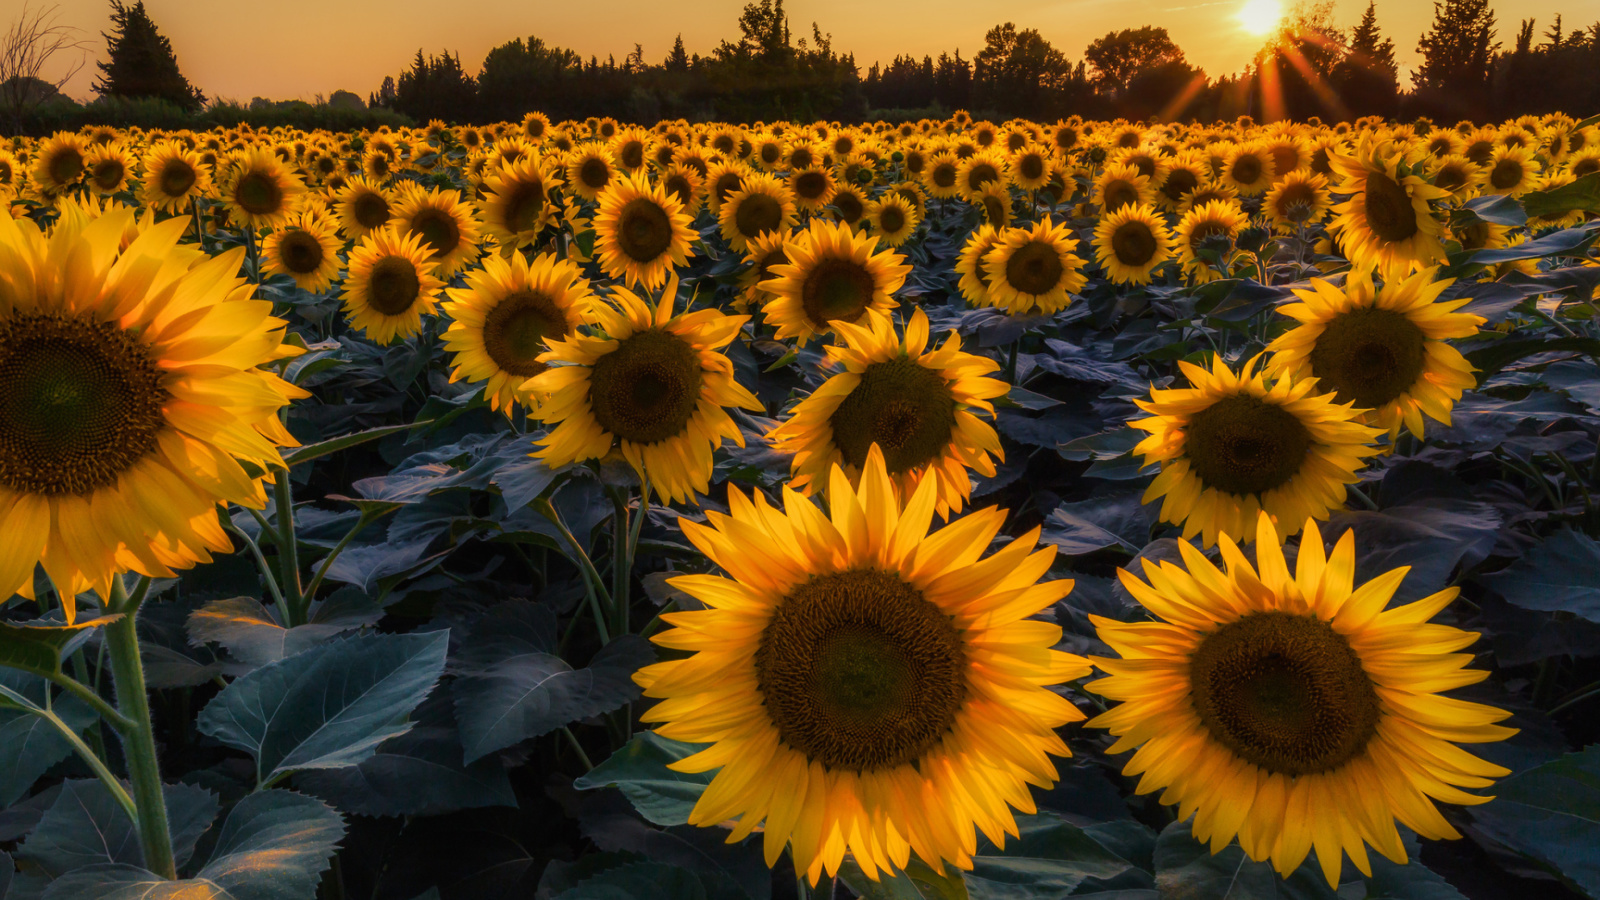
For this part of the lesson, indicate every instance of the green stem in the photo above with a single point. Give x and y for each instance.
(288, 550)
(139, 741)
(112, 783)
(1361, 495)
(621, 563)
(322, 570)
(82, 692)
(599, 596)
(266, 570)
(573, 740)
(1577, 696)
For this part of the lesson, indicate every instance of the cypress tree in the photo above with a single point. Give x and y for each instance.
(140, 61)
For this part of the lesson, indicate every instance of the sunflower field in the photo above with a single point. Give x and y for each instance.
(944, 509)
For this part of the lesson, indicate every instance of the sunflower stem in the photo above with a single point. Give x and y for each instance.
(94, 760)
(1011, 361)
(322, 570)
(1361, 495)
(578, 748)
(265, 567)
(288, 550)
(621, 562)
(599, 598)
(139, 741)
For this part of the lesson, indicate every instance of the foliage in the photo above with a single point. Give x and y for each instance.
(140, 61)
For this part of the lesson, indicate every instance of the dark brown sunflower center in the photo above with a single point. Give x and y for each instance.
(757, 214)
(177, 177)
(849, 206)
(860, 672)
(1178, 183)
(258, 194)
(1474, 236)
(439, 229)
(1246, 170)
(944, 174)
(302, 253)
(1031, 167)
(644, 231)
(647, 389)
(1120, 193)
(836, 289)
(891, 220)
(1205, 231)
(80, 402)
(1244, 445)
(1506, 174)
(393, 285)
(524, 206)
(1035, 268)
(1284, 692)
(801, 158)
(370, 210)
(1133, 243)
(1586, 166)
(726, 185)
(994, 210)
(1451, 177)
(980, 175)
(1369, 355)
(1285, 158)
(594, 173)
(107, 174)
(631, 154)
(514, 331)
(1389, 209)
(66, 166)
(811, 185)
(771, 153)
(1296, 201)
(904, 408)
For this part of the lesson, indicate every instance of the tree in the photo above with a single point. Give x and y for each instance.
(436, 87)
(1017, 70)
(1368, 78)
(1457, 50)
(26, 49)
(677, 60)
(140, 61)
(1121, 55)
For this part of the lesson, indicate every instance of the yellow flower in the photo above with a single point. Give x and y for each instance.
(761, 205)
(913, 403)
(975, 281)
(361, 207)
(130, 394)
(1512, 171)
(651, 384)
(866, 687)
(977, 171)
(1300, 199)
(173, 177)
(446, 224)
(108, 168)
(641, 232)
(1387, 223)
(1383, 350)
(1295, 711)
(1033, 270)
(391, 285)
(893, 218)
(1131, 243)
(1248, 169)
(307, 251)
(589, 169)
(832, 275)
(1233, 445)
(1122, 185)
(516, 205)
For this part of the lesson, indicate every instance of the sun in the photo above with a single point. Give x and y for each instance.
(1260, 16)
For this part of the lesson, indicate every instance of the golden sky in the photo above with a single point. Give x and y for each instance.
(300, 48)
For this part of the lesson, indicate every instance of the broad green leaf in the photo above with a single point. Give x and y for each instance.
(252, 634)
(1567, 242)
(1582, 194)
(29, 744)
(917, 882)
(1186, 868)
(308, 452)
(640, 771)
(1491, 359)
(1050, 859)
(37, 648)
(1561, 573)
(329, 706)
(1551, 813)
(1498, 209)
(511, 686)
(86, 826)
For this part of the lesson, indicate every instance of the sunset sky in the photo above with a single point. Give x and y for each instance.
(300, 48)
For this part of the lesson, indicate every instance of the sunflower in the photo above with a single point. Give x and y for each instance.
(1185, 174)
(1248, 169)
(724, 178)
(1382, 349)
(652, 383)
(849, 204)
(893, 218)
(535, 125)
(1131, 243)
(768, 250)
(590, 168)
(445, 222)
(259, 191)
(1215, 224)
(770, 152)
(1550, 181)
(1207, 192)
(978, 171)
(307, 250)
(10, 174)
(391, 285)
(762, 205)
(361, 208)
(1300, 200)
(517, 206)
(130, 394)
(974, 282)
(59, 163)
(866, 687)
(1387, 222)
(1121, 185)
(630, 149)
(642, 232)
(832, 275)
(685, 184)
(915, 406)
(994, 204)
(173, 177)
(1461, 177)
(1295, 711)
(1512, 171)
(812, 187)
(502, 318)
(942, 175)
(1034, 270)
(108, 168)
(1233, 445)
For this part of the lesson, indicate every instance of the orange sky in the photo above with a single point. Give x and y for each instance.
(300, 48)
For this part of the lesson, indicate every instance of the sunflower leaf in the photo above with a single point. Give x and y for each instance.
(917, 882)
(37, 648)
(308, 452)
(640, 771)
(1561, 573)
(1551, 813)
(86, 826)
(1186, 868)
(1582, 194)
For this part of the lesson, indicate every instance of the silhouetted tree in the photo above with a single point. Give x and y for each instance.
(1368, 78)
(140, 61)
(1457, 52)
(1121, 55)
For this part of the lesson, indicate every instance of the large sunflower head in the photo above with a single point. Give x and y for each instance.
(650, 384)
(173, 177)
(131, 400)
(1248, 169)
(1214, 225)
(1302, 710)
(642, 233)
(361, 207)
(1030, 168)
(1033, 270)
(449, 230)
(1232, 445)
(1382, 349)
(259, 191)
(942, 175)
(108, 168)
(978, 171)
(994, 204)
(590, 168)
(307, 250)
(517, 204)
(1387, 223)
(1185, 174)
(1300, 200)
(631, 148)
(686, 186)
(849, 204)
(1461, 177)
(832, 275)
(1131, 243)
(761, 205)
(893, 218)
(1512, 171)
(504, 316)
(59, 163)
(914, 404)
(768, 250)
(391, 285)
(857, 676)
